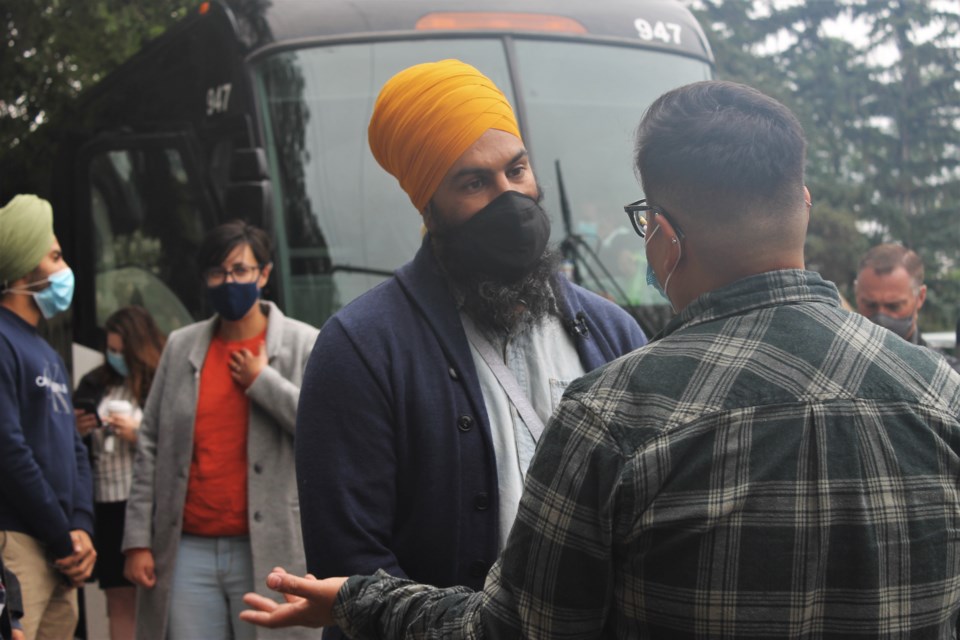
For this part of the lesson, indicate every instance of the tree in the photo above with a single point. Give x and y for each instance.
(56, 48)
(881, 117)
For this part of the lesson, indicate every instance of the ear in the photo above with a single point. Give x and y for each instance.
(806, 198)
(429, 221)
(19, 283)
(264, 275)
(922, 296)
(671, 240)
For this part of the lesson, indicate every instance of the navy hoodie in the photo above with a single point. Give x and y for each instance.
(46, 489)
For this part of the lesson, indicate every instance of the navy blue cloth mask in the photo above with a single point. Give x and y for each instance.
(232, 300)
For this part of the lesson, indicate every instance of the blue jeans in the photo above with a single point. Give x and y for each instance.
(209, 581)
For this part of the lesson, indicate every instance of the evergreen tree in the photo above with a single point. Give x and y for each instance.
(881, 120)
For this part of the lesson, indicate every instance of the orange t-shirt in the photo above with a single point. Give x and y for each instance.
(217, 487)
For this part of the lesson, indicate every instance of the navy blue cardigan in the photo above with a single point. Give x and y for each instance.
(395, 461)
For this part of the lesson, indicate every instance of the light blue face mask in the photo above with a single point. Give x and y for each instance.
(54, 299)
(117, 363)
(653, 282)
(57, 297)
(651, 276)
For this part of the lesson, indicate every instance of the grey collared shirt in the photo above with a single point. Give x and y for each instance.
(544, 361)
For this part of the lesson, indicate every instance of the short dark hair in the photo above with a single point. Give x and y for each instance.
(721, 147)
(221, 240)
(884, 258)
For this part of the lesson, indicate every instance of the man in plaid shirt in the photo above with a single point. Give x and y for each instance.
(772, 466)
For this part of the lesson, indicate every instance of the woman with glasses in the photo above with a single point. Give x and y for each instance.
(109, 401)
(213, 507)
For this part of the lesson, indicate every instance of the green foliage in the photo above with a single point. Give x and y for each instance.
(881, 118)
(834, 245)
(54, 49)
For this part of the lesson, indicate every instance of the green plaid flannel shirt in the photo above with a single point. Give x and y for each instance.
(771, 467)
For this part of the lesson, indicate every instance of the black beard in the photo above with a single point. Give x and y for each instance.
(505, 308)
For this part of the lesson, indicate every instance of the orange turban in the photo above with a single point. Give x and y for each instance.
(426, 116)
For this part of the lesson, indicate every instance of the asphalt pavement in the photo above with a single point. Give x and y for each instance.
(95, 608)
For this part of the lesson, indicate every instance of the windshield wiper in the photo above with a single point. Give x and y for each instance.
(577, 251)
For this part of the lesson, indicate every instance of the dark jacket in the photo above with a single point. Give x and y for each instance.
(395, 462)
(94, 384)
(91, 389)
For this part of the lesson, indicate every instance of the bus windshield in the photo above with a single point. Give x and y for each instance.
(348, 223)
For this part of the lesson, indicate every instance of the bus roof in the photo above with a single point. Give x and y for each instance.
(292, 23)
(257, 29)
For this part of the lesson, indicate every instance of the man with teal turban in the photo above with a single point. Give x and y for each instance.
(410, 452)
(46, 502)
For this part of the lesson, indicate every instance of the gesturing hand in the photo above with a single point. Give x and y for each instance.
(309, 602)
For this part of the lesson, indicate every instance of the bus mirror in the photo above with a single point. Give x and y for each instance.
(249, 193)
(248, 164)
(249, 201)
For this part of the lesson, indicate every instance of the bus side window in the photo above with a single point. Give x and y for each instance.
(147, 227)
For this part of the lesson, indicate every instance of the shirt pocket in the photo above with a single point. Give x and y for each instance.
(557, 387)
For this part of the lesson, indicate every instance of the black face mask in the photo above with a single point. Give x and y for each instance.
(504, 239)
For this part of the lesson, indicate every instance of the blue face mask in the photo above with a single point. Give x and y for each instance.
(652, 277)
(56, 298)
(117, 363)
(232, 300)
(653, 282)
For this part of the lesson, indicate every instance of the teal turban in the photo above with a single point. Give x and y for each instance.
(26, 235)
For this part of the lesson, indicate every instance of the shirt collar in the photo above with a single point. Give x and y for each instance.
(773, 288)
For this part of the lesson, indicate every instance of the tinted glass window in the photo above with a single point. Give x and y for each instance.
(344, 215)
(583, 103)
(343, 212)
(147, 227)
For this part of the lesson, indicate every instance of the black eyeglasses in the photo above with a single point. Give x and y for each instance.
(242, 273)
(635, 211)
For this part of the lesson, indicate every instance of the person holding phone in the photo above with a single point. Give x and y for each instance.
(108, 405)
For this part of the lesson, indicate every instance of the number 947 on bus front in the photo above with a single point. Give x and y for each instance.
(666, 32)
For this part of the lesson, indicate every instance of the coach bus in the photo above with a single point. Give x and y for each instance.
(259, 110)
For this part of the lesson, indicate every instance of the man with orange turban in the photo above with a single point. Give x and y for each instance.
(412, 439)
(772, 467)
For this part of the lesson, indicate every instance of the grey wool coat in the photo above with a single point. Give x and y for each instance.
(165, 447)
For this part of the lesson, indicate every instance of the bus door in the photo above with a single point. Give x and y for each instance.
(146, 208)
